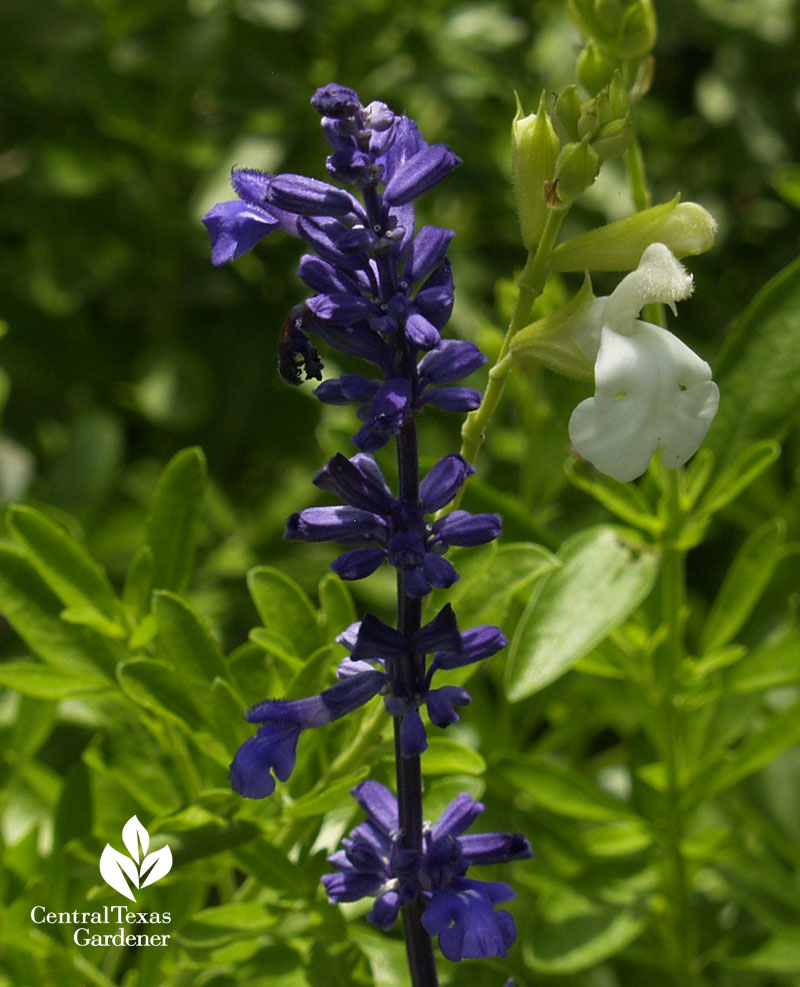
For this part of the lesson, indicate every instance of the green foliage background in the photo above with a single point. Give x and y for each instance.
(121, 121)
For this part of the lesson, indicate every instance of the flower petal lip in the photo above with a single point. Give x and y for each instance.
(235, 227)
(652, 392)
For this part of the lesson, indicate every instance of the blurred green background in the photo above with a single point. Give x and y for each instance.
(121, 121)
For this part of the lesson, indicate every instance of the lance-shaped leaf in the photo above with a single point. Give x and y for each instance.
(134, 836)
(158, 863)
(112, 865)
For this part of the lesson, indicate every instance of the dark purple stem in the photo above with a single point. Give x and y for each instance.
(407, 675)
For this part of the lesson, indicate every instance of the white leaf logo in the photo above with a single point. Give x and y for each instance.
(115, 866)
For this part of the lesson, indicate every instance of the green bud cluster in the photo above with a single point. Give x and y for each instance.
(592, 131)
(622, 30)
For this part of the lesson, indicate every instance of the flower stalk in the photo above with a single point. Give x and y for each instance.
(384, 293)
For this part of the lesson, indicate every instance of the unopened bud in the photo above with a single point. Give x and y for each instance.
(638, 30)
(576, 169)
(624, 29)
(566, 113)
(685, 227)
(534, 152)
(595, 68)
(613, 139)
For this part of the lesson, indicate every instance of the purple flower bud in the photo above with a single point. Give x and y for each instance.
(333, 100)
(355, 483)
(452, 360)
(358, 563)
(421, 333)
(326, 278)
(463, 528)
(428, 250)
(420, 173)
(458, 400)
(476, 644)
(443, 482)
(347, 525)
(459, 815)
(347, 388)
(341, 307)
(311, 197)
(494, 848)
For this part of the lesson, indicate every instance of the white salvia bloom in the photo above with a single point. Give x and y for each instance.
(651, 391)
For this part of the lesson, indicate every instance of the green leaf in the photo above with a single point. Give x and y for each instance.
(171, 524)
(154, 685)
(336, 605)
(779, 954)
(223, 923)
(745, 468)
(316, 674)
(745, 581)
(285, 610)
(570, 931)
(562, 790)
(75, 810)
(89, 617)
(328, 797)
(602, 580)
(449, 757)
(33, 611)
(584, 939)
(194, 833)
(759, 369)
(62, 563)
(754, 752)
(139, 583)
(623, 499)
(227, 715)
(774, 664)
(490, 578)
(186, 642)
(337, 963)
(618, 838)
(47, 682)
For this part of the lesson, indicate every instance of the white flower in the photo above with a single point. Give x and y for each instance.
(651, 391)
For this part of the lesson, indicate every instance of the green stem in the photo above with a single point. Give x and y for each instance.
(634, 162)
(531, 283)
(681, 940)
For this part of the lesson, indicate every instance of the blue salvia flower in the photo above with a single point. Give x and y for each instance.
(395, 531)
(359, 303)
(372, 642)
(274, 746)
(383, 292)
(460, 911)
